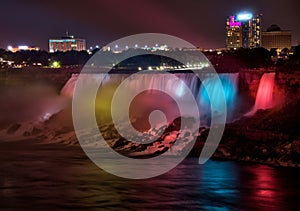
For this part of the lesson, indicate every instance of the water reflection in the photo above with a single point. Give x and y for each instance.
(33, 176)
(270, 188)
(219, 185)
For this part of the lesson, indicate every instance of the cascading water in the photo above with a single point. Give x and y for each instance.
(69, 87)
(264, 96)
(152, 99)
(229, 86)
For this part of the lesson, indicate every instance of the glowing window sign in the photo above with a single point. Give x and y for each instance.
(244, 16)
(233, 22)
(63, 40)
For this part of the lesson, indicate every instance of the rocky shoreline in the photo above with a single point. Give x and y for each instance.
(269, 137)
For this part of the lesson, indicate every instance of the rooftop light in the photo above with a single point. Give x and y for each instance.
(244, 16)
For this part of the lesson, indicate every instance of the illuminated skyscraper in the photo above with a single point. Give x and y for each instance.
(233, 33)
(67, 43)
(243, 30)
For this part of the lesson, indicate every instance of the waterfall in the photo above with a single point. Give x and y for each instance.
(69, 87)
(264, 96)
(228, 85)
(153, 100)
(177, 85)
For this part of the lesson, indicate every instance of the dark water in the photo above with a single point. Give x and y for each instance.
(35, 176)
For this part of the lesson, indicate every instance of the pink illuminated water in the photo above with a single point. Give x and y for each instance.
(264, 96)
(69, 87)
(152, 100)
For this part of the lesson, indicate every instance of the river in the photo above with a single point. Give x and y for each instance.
(54, 176)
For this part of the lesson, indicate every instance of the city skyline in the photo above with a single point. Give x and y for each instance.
(33, 23)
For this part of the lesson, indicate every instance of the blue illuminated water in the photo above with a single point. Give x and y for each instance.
(227, 87)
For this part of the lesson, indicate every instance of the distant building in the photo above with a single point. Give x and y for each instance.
(67, 43)
(243, 30)
(22, 48)
(276, 38)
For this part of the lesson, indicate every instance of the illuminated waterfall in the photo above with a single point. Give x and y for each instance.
(264, 96)
(154, 100)
(229, 85)
(69, 87)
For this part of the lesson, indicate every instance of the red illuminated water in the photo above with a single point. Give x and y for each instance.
(264, 96)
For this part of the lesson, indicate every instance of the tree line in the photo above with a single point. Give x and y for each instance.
(225, 61)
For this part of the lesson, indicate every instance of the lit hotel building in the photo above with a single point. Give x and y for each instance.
(67, 43)
(243, 30)
(276, 38)
(233, 33)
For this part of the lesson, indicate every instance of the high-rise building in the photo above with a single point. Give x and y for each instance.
(67, 43)
(233, 33)
(276, 38)
(243, 30)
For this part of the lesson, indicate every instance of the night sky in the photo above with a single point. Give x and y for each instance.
(202, 23)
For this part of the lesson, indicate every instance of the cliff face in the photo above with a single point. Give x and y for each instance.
(249, 82)
(270, 136)
(36, 75)
(286, 86)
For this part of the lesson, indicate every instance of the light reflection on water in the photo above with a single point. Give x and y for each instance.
(42, 176)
